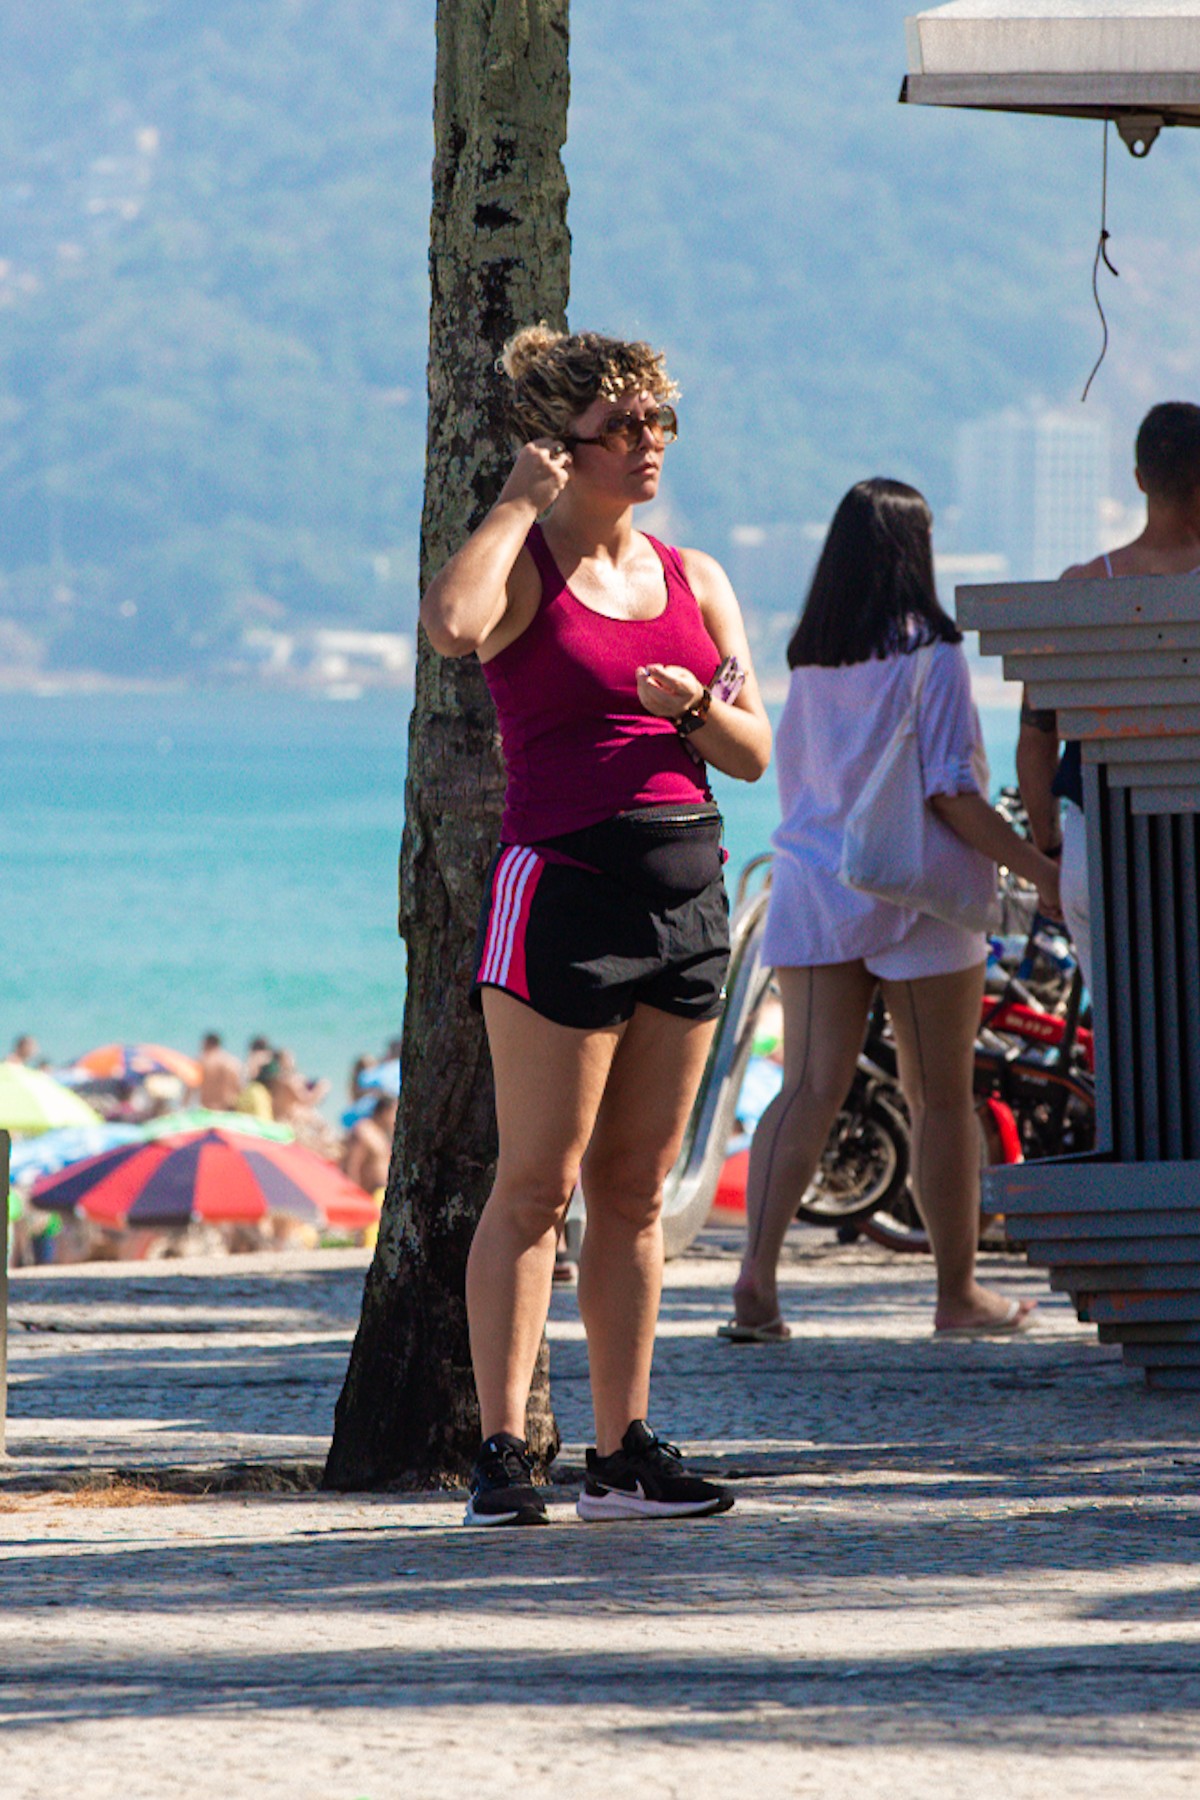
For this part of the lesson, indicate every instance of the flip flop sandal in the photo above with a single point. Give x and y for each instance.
(775, 1331)
(1015, 1320)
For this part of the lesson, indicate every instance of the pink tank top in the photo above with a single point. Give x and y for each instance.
(579, 746)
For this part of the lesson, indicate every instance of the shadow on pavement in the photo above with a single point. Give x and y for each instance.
(1104, 1697)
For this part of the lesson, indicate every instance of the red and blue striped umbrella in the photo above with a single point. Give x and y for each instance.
(219, 1177)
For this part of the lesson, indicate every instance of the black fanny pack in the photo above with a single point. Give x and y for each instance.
(668, 853)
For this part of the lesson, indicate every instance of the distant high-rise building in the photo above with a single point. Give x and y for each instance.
(1031, 486)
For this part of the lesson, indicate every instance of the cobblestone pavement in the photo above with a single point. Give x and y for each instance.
(953, 1568)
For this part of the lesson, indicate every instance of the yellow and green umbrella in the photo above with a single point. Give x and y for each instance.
(32, 1101)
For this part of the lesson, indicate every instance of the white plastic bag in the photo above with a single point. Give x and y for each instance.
(895, 846)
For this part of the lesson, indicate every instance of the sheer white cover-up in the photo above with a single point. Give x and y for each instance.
(835, 724)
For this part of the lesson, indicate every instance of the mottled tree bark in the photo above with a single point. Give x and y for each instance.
(499, 259)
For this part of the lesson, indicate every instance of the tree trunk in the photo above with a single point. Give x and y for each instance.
(499, 259)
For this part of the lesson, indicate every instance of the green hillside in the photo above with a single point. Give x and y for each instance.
(212, 289)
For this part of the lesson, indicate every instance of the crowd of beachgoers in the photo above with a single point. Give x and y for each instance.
(141, 1094)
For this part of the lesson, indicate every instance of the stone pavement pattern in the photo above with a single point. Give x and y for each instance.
(953, 1568)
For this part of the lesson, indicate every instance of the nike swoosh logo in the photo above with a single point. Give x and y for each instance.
(637, 1491)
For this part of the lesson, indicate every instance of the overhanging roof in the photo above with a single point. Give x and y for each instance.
(1135, 61)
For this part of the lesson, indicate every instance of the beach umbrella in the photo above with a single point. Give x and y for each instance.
(133, 1062)
(54, 1150)
(217, 1177)
(202, 1118)
(33, 1101)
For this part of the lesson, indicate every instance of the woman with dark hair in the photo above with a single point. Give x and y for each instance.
(604, 940)
(871, 605)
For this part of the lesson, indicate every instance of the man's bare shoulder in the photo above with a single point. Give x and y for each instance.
(1088, 571)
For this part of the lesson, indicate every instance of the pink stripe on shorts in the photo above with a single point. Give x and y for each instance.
(514, 883)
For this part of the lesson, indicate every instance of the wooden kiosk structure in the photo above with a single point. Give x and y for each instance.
(1119, 661)
(1120, 1229)
(1136, 62)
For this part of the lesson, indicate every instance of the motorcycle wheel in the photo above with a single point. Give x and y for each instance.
(899, 1226)
(865, 1163)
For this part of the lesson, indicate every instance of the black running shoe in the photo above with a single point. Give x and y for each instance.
(502, 1492)
(646, 1479)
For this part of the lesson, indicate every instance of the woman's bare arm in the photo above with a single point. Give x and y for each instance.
(468, 598)
(736, 736)
(971, 818)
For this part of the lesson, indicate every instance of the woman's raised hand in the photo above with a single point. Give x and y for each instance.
(667, 690)
(540, 473)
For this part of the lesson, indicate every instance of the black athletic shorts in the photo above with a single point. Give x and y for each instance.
(589, 925)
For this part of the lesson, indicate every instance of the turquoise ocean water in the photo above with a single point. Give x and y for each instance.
(175, 863)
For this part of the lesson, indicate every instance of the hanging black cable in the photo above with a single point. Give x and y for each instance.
(1101, 253)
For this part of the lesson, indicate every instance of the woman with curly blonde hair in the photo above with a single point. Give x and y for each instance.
(619, 669)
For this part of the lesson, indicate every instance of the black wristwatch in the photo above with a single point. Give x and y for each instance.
(691, 720)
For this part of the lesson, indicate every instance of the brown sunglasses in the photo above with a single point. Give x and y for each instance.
(623, 430)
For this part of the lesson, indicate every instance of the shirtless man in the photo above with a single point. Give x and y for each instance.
(220, 1075)
(369, 1146)
(1168, 472)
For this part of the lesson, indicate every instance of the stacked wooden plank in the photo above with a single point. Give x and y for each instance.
(1120, 1230)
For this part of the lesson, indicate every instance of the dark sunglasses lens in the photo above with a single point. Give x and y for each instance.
(624, 430)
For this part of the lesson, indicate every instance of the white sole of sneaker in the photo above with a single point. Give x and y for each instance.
(597, 1507)
(484, 1520)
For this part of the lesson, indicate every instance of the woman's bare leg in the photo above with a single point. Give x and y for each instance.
(825, 1016)
(549, 1081)
(639, 1127)
(935, 1020)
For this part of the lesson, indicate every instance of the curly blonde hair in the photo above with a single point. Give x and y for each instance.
(556, 375)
